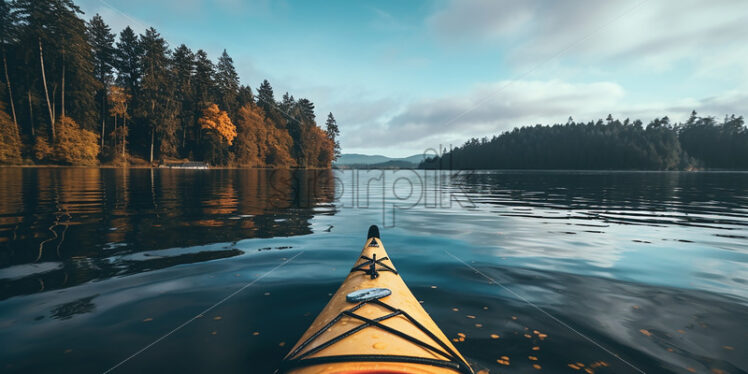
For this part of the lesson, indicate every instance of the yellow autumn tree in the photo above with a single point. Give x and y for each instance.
(10, 141)
(259, 143)
(119, 100)
(218, 121)
(42, 150)
(74, 145)
(319, 150)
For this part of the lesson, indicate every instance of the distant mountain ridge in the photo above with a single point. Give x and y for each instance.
(348, 159)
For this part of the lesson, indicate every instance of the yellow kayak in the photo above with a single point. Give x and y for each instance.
(374, 324)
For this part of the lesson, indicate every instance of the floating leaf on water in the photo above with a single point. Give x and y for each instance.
(149, 319)
(589, 371)
(503, 362)
(267, 293)
(256, 333)
(728, 347)
(514, 318)
(532, 358)
(691, 370)
(281, 344)
(495, 336)
(485, 308)
(536, 348)
(645, 332)
(542, 336)
(433, 286)
(536, 332)
(460, 334)
(455, 310)
(217, 318)
(669, 349)
(718, 371)
(478, 325)
(528, 336)
(681, 331)
(469, 316)
(455, 340)
(575, 367)
(483, 371)
(536, 366)
(506, 358)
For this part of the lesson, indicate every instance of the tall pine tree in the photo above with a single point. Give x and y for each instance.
(155, 105)
(332, 132)
(102, 44)
(183, 68)
(227, 83)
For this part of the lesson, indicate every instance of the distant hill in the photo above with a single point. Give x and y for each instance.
(360, 159)
(377, 161)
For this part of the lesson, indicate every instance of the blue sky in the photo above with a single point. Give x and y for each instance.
(403, 76)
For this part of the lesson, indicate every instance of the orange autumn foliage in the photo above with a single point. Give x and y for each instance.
(319, 150)
(215, 119)
(259, 143)
(74, 145)
(10, 141)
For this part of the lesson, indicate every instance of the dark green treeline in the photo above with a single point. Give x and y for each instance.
(699, 143)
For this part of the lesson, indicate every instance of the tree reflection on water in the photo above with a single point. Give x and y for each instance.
(60, 227)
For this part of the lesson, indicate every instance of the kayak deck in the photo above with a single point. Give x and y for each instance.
(391, 334)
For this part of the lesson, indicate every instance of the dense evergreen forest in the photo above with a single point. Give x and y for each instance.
(699, 143)
(73, 92)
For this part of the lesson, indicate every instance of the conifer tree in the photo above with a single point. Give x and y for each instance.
(128, 56)
(183, 69)
(265, 96)
(102, 44)
(227, 83)
(155, 106)
(332, 132)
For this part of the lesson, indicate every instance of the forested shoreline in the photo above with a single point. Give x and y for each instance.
(699, 143)
(75, 93)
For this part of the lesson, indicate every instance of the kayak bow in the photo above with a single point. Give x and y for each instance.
(374, 324)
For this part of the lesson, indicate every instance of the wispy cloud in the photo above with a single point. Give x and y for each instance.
(425, 123)
(656, 33)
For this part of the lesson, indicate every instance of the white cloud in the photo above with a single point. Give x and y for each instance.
(655, 33)
(484, 110)
(489, 109)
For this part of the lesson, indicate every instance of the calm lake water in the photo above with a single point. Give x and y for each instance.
(617, 271)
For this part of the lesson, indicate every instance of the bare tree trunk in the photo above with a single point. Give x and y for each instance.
(31, 114)
(46, 91)
(10, 92)
(153, 133)
(115, 135)
(124, 136)
(62, 102)
(103, 127)
(103, 120)
(153, 128)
